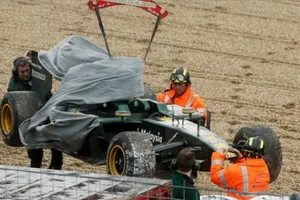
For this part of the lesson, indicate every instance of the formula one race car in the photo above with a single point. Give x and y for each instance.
(137, 135)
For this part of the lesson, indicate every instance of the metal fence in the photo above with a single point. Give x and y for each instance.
(30, 183)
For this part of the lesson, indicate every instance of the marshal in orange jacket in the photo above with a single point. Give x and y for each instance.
(243, 179)
(187, 99)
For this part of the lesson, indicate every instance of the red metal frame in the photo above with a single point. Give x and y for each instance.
(159, 193)
(147, 5)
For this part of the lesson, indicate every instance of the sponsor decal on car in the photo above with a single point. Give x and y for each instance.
(152, 137)
(38, 75)
(36, 66)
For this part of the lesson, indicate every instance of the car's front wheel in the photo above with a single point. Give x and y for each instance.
(131, 154)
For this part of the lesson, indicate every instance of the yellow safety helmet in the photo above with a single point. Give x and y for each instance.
(255, 146)
(180, 75)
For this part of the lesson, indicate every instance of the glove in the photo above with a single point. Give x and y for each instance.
(230, 152)
(233, 151)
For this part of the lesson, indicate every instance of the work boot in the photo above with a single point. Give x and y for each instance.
(56, 160)
(36, 157)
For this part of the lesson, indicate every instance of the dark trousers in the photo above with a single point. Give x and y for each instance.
(36, 157)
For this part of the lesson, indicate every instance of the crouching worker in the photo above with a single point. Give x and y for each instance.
(248, 176)
(183, 184)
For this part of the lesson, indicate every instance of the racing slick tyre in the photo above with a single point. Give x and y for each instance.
(273, 151)
(131, 154)
(16, 107)
(163, 170)
(149, 93)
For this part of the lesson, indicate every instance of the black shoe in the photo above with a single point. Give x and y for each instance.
(55, 167)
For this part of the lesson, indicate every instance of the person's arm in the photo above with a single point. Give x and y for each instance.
(10, 85)
(15, 86)
(217, 166)
(161, 97)
(223, 177)
(198, 104)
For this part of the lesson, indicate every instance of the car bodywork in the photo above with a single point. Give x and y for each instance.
(168, 127)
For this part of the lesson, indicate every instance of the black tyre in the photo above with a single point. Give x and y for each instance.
(15, 108)
(163, 170)
(131, 154)
(273, 151)
(149, 93)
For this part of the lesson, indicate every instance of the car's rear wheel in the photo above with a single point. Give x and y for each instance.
(273, 151)
(16, 107)
(131, 154)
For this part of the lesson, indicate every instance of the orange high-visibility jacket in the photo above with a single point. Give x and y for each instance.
(244, 179)
(187, 99)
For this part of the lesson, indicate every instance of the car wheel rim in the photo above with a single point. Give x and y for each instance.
(6, 119)
(117, 161)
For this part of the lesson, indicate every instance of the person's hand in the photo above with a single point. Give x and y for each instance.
(233, 150)
(232, 153)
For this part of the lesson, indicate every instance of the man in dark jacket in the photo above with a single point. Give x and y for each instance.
(183, 184)
(21, 81)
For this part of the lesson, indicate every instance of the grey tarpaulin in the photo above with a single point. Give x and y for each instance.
(88, 77)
